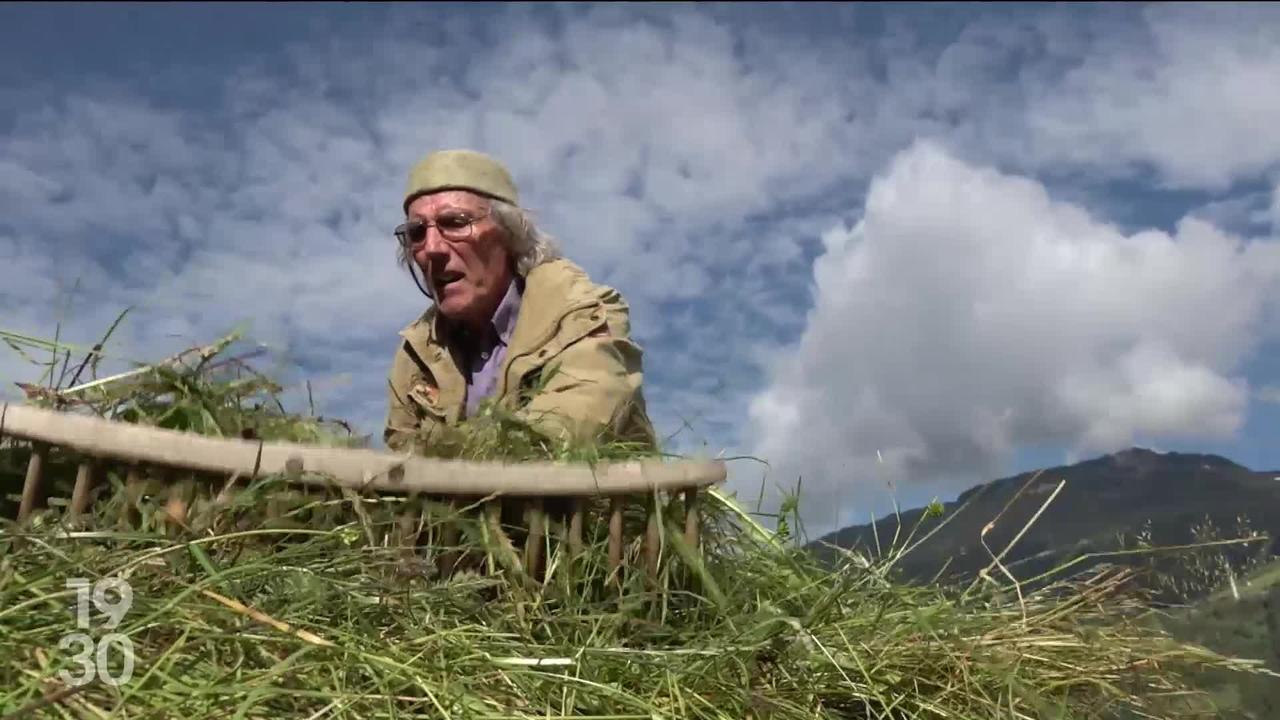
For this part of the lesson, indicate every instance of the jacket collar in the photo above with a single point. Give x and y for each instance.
(504, 318)
(549, 295)
(553, 292)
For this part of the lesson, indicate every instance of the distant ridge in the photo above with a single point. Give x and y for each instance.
(1103, 497)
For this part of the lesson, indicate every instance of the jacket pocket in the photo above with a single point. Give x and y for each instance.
(426, 400)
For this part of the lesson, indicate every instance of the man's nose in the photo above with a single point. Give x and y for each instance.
(432, 247)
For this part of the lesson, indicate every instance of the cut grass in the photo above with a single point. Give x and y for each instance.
(278, 604)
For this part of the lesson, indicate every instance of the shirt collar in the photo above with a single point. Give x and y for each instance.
(504, 318)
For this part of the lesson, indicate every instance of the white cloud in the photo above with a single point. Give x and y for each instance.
(1247, 213)
(1186, 93)
(968, 313)
(1275, 209)
(1170, 95)
(1269, 394)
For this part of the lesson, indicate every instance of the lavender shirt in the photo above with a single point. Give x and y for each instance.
(484, 354)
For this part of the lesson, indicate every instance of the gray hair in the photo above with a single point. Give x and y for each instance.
(529, 246)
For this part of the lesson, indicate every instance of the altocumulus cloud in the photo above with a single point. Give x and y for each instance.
(640, 143)
(968, 313)
(1185, 95)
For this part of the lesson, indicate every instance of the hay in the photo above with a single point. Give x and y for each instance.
(280, 604)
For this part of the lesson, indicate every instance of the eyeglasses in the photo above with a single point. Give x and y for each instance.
(454, 227)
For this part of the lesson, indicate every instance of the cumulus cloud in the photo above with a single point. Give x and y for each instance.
(969, 313)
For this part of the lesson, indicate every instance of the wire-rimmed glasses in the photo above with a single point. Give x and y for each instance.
(453, 226)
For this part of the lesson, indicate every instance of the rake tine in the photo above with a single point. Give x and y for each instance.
(575, 528)
(133, 486)
(35, 473)
(448, 557)
(493, 520)
(173, 510)
(615, 533)
(533, 543)
(85, 476)
(504, 542)
(293, 469)
(691, 518)
(653, 538)
(407, 527)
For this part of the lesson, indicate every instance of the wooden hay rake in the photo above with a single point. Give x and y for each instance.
(97, 442)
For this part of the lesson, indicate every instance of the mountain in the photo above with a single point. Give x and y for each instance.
(1243, 621)
(1102, 499)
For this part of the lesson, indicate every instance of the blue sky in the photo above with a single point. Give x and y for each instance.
(893, 250)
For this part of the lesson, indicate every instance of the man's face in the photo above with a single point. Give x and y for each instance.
(467, 277)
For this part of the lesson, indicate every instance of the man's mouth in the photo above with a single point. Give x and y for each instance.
(447, 278)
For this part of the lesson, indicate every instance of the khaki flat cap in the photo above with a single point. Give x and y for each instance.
(460, 170)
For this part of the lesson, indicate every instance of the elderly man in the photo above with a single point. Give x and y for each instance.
(511, 320)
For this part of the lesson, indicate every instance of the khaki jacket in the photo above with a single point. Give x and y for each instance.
(564, 319)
